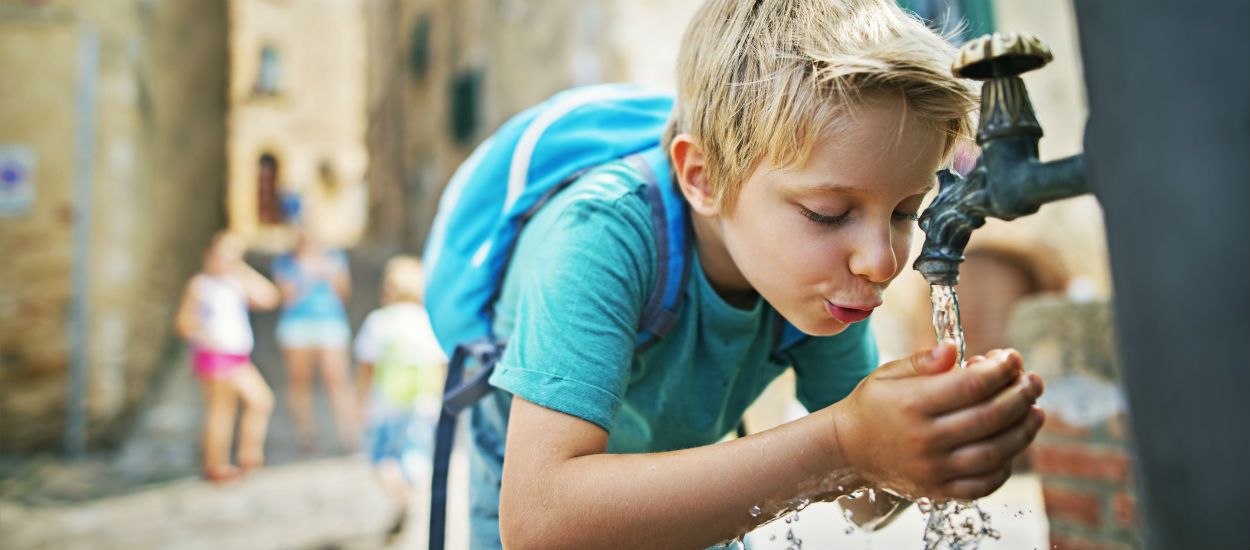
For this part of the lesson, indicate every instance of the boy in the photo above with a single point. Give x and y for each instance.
(805, 137)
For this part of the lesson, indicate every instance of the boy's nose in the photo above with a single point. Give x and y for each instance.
(874, 258)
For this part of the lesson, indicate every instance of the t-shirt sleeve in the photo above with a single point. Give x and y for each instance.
(577, 280)
(828, 369)
(369, 340)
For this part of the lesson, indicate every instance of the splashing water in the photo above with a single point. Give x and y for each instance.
(952, 525)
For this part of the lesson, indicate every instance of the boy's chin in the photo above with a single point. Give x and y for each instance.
(821, 327)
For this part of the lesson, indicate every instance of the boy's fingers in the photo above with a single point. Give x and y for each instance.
(993, 453)
(974, 487)
(938, 359)
(1005, 409)
(971, 385)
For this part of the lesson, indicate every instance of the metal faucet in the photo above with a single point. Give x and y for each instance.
(1008, 180)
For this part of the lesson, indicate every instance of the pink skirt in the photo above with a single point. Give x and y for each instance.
(215, 365)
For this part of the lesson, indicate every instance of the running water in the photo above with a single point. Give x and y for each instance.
(951, 524)
(946, 318)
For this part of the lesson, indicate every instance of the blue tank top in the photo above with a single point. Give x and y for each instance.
(316, 297)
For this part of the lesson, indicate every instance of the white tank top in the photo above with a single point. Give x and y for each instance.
(222, 310)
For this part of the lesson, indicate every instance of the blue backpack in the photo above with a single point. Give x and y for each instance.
(506, 180)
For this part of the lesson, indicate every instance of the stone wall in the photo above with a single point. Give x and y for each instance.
(156, 185)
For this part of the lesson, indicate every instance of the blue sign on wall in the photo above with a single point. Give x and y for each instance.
(17, 179)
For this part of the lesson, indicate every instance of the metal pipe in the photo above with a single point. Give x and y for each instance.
(84, 164)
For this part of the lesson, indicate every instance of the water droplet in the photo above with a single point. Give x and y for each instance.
(756, 511)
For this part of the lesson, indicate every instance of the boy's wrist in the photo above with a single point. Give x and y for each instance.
(836, 441)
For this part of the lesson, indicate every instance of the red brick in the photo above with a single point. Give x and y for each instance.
(1124, 507)
(1073, 505)
(1117, 427)
(1056, 426)
(1083, 462)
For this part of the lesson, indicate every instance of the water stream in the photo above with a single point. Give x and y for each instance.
(952, 524)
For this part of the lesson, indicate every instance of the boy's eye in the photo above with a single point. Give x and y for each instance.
(825, 219)
(906, 216)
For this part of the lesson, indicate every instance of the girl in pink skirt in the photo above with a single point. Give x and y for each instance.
(213, 319)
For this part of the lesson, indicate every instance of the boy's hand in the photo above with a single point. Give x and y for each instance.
(920, 427)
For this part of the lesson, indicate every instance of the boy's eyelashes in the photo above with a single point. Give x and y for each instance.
(825, 219)
(830, 220)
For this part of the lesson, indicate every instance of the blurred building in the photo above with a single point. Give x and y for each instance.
(296, 123)
(112, 151)
(444, 74)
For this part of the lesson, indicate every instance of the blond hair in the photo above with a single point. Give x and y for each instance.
(403, 280)
(762, 79)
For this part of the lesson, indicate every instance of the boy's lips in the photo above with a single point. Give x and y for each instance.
(848, 314)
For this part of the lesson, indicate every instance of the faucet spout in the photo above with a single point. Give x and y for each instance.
(1008, 180)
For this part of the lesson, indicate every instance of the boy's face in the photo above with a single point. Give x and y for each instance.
(822, 241)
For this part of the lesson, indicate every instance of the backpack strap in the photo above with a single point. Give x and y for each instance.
(670, 219)
(456, 397)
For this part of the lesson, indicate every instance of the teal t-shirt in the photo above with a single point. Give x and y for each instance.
(569, 311)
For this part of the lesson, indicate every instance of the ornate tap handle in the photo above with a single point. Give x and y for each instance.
(999, 59)
(1001, 55)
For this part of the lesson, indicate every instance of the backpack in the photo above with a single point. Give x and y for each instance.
(532, 157)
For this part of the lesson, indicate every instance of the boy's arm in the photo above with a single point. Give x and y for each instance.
(949, 435)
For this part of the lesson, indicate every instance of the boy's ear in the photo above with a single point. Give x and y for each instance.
(689, 166)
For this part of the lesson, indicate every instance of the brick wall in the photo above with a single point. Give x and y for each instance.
(1087, 483)
(1083, 454)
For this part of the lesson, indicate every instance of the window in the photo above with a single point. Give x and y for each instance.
(268, 207)
(466, 91)
(267, 77)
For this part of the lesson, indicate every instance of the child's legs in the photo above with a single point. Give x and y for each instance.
(220, 403)
(334, 371)
(395, 482)
(299, 364)
(257, 407)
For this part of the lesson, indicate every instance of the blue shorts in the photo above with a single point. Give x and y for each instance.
(405, 438)
(299, 333)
